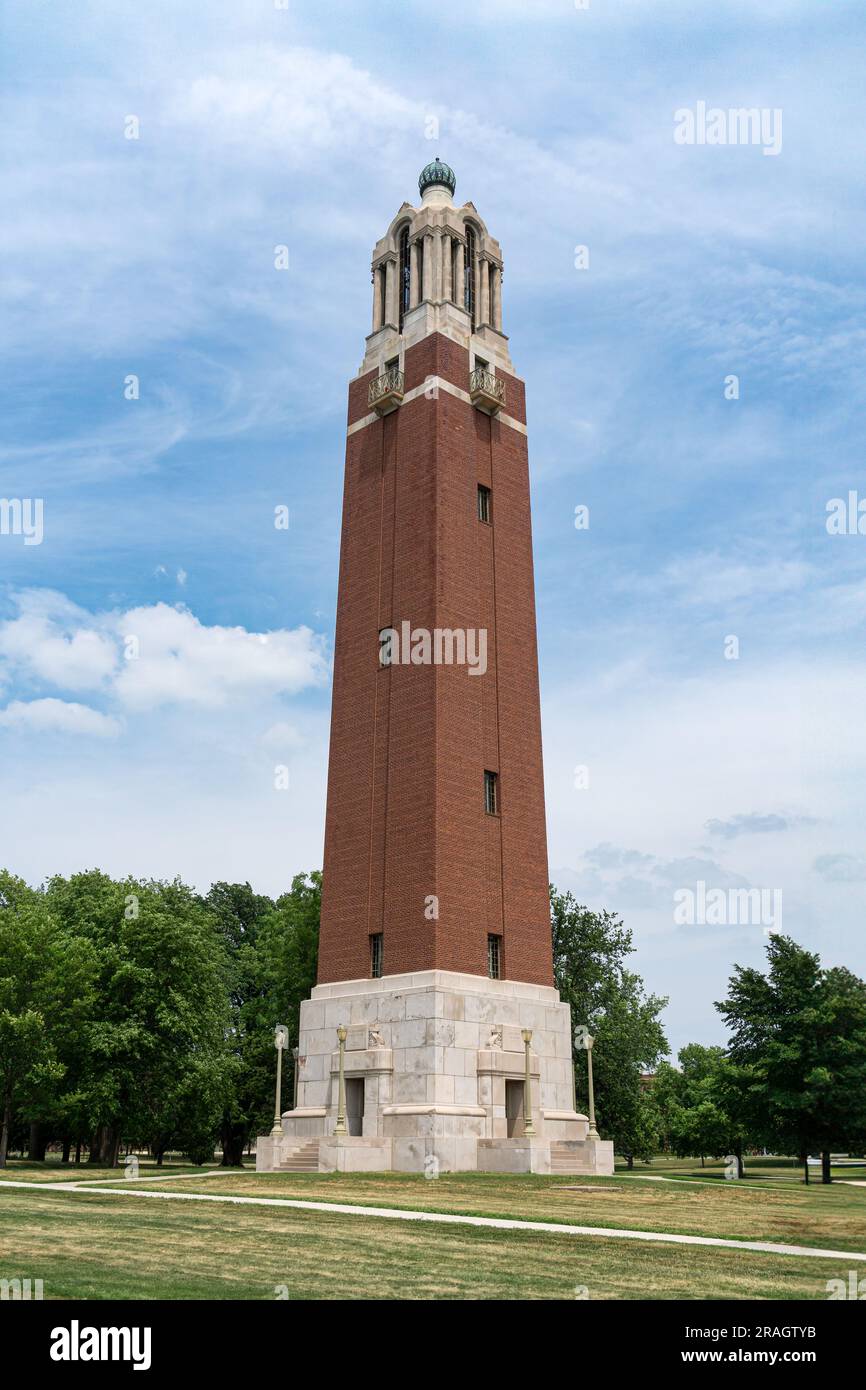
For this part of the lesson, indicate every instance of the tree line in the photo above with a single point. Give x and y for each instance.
(140, 1014)
(792, 1079)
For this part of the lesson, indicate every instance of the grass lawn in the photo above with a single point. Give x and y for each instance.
(52, 1170)
(831, 1217)
(756, 1169)
(99, 1245)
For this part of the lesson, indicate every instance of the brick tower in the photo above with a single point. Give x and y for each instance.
(435, 949)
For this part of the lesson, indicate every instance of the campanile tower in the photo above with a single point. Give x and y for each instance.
(435, 947)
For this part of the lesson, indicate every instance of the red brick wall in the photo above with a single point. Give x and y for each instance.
(409, 744)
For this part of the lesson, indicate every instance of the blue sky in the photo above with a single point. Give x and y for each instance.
(307, 127)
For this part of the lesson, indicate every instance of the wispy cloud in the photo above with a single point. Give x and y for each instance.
(49, 716)
(755, 823)
(841, 868)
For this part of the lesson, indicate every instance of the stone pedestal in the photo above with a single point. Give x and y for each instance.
(342, 1153)
(434, 1068)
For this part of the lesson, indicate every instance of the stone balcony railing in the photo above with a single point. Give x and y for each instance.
(386, 391)
(486, 390)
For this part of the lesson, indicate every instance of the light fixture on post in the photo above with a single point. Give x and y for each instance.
(281, 1041)
(528, 1126)
(340, 1127)
(583, 1039)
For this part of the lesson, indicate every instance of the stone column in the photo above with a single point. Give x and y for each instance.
(483, 291)
(436, 276)
(391, 292)
(427, 291)
(459, 276)
(414, 295)
(377, 299)
(496, 297)
(439, 262)
(447, 261)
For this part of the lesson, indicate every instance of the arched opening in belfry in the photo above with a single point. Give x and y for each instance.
(469, 275)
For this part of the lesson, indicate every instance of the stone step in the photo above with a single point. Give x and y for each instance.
(567, 1160)
(303, 1159)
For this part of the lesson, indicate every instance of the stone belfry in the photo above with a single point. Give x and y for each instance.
(434, 1035)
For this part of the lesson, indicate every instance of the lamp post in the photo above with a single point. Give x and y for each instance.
(296, 1051)
(528, 1126)
(584, 1039)
(340, 1127)
(281, 1041)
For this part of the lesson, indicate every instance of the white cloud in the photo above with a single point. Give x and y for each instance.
(666, 754)
(173, 657)
(182, 661)
(299, 101)
(83, 658)
(58, 716)
(283, 737)
(713, 579)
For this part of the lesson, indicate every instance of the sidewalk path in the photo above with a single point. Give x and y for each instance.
(496, 1223)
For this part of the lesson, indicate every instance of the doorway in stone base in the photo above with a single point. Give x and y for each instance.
(513, 1108)
(355, 1104)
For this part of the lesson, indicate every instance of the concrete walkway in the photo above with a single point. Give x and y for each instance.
(496, 1223)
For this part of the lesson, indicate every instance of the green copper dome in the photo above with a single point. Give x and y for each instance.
(437, 172)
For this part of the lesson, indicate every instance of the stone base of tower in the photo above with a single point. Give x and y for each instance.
(435, 1080)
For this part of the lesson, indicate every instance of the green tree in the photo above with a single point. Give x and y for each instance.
(699, 1104)
(160, 1023)
(273, 948)
(239, 914)
(589, 954)
(289, 950)
(667, 1089)
(798, 1052)
(46, 989)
